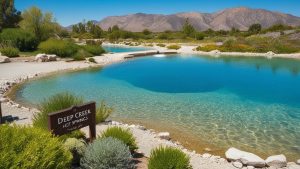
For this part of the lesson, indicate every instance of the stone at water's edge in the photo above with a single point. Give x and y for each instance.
(237, 164)
(4, 59)
(298, 161)
(277, 161)
(164, 135)
(244, 157)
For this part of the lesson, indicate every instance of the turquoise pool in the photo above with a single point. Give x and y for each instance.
(119, 49)
(248, 103)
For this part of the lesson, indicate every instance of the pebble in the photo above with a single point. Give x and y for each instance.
(250, 167)
(237, 164)
(207, 149)
(164, 135)
(206, 155)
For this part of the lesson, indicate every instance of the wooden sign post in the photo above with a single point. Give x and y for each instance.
(73, 118)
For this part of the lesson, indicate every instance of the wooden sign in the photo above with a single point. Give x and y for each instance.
(74, 118)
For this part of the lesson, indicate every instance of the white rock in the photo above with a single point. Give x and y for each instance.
(132, 126)
(206, 155)
(3, 100)
(293, 166)
(298, 162)
(164, 135)
(250, 167)
(41, 57)
(142, 127)
(246, 158)
(278, 161)
(4, 59)
(237, 164)
(51, 57)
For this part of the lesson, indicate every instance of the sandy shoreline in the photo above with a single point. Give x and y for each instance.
(17, 72)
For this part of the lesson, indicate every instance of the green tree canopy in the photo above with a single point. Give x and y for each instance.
(255, 28)
(9, 16)
(41, 24)
(188, 29)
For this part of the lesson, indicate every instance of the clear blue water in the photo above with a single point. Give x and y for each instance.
(248, 103)
(119, 49)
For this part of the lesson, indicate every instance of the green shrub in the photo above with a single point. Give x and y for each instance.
(94, 49)
(76, 147)
(103, 112)
(53, 104)
(199, 36)
(168, 158)
(161, 45)
(94, 42)
(107, 153)
(27, 147)
(175, 47)
(61, 48)
(207, 48)
(19, 38)
(122, 134)
(81, 55)
(10, 51)
(92, 60)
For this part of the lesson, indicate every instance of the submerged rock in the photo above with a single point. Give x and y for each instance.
(277, 161)
(244, 157)
(164, 135)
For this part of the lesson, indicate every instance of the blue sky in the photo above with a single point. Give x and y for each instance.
(68, 12)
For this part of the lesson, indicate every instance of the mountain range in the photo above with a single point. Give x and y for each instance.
(240, 18)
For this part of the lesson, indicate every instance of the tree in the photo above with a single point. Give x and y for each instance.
(188, 29)
(146, 32)
(255, 28)
(115, 28)
(41, 24)
(9, 16)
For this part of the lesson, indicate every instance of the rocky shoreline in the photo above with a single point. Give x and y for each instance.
(147, 139)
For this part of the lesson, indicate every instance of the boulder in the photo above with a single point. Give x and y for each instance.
(41, 57)
(244, 157)
(237, 164)
(51, 58)
(277, 161)
(4, 59)
(164, 135)
(298, 162)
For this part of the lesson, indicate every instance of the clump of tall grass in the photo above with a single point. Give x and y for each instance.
(55, 103)
(175, 47)
(103, 112)
(168, 158)
(122, 134)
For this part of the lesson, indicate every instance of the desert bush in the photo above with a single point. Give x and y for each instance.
(61, 48)
(27, 147)
(53, 104)
(76, 147)
(93, 42)
(94, 49)
(81, 55)
(107, 153)
(176, 47)
(9, 51)
(161, 45)
(92, 60)
(199, 36)
(207, 48)
(21, 39)
(122, 134)
(103, 112)
(168, 158)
